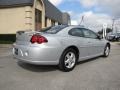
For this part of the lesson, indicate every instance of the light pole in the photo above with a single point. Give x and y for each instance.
(113, 24)
(105, 30)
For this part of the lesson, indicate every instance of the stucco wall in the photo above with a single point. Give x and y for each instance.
(21, 18)
(49, 22)
(12, 20)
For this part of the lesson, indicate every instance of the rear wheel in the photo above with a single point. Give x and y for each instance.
(68, 60)
(106, 51)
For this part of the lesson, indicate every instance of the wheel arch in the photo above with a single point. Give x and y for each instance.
(75, 48)
(108, 44)
(61, 61)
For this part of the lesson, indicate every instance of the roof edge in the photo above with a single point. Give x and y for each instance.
(16, 5)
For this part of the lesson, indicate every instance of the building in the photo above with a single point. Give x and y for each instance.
(29, 15)
(66, 19)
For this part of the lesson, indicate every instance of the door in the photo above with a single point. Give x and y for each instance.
(38, 20)
(95, 45)
(80, 42)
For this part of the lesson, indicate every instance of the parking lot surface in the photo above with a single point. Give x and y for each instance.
(95, 74)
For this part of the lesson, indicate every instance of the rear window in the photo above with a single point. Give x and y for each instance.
(53, 29)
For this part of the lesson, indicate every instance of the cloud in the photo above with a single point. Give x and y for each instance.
(95, 21)
(105, 11)
(108, 6)
(56, 2)
(74, 22)
(88, 3)
(91, 20)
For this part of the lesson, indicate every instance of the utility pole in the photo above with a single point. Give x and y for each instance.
(113, 23)
(116, 29)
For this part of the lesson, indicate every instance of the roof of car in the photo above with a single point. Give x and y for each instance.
(77, 26)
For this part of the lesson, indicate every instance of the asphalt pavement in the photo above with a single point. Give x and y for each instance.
(95, 74)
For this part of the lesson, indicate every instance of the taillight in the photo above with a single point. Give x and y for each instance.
(38, 39)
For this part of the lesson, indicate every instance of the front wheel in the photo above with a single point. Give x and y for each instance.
(68, 60)
(106, 51)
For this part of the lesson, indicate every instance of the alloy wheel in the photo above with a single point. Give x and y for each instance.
(70, 59)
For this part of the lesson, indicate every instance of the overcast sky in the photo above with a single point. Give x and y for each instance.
(95, 12)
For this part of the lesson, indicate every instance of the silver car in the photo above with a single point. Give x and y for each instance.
(59, 45)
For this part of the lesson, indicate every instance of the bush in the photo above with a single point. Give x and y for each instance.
(7, 38)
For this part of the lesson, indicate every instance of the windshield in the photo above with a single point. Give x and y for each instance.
(53, 29)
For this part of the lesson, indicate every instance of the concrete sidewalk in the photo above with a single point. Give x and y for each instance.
(115, 43)
(95, 74)
(5, 45)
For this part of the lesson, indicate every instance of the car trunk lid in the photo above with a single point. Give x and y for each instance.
(24, 37)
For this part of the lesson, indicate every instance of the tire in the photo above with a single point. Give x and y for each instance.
(106, 51)
(68, 60)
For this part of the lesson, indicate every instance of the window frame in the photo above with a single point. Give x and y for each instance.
(91, 32)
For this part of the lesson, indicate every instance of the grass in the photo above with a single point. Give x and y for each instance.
(7, 38)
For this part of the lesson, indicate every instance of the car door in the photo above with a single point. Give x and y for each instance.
(81, 42)
(95, 45)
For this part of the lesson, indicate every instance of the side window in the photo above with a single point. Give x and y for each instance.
(89, 34)
(76, 32)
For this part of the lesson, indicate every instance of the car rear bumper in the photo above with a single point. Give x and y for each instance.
(38, 55)
(37, 62)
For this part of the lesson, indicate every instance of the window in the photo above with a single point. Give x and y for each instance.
(38, 16)
(45, 21)
(53, 29)
(89, 34)
(76, 32)
(38, 19)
